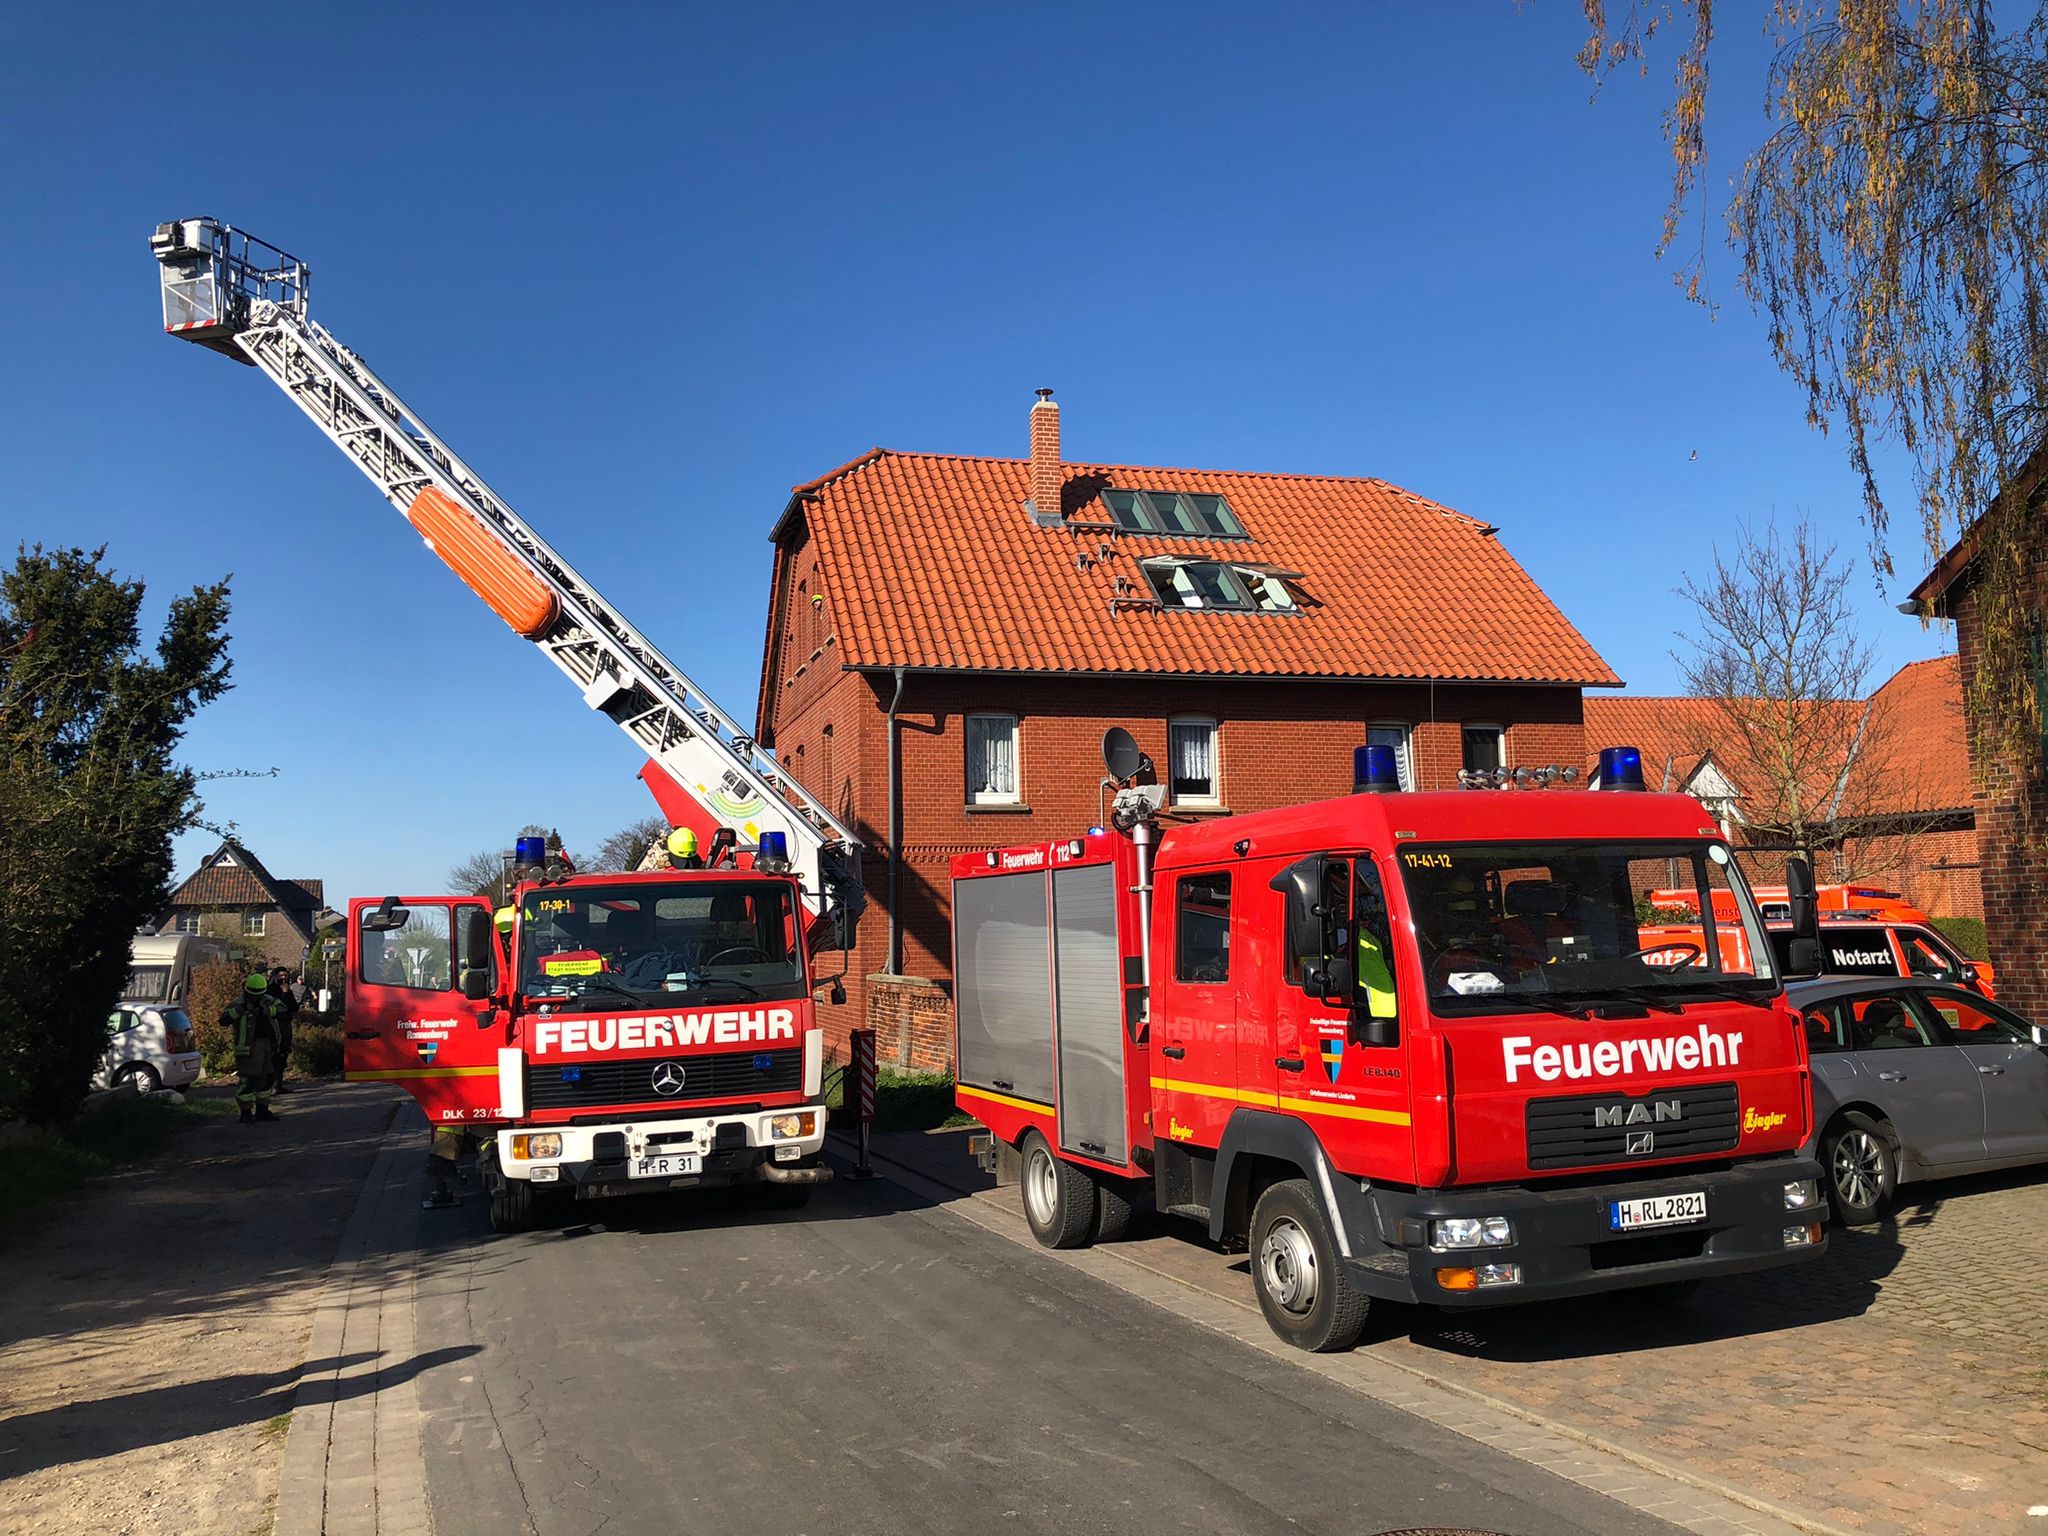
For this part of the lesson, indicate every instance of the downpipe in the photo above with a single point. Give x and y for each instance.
(895, 956)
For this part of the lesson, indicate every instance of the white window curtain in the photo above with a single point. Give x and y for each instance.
(991, 757)
(1395, 736)
(1191, 754)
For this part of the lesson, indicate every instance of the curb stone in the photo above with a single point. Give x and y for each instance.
(353, 1463)
(1640, 1482)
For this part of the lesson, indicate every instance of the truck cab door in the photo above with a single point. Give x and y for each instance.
(1194, 1011)
(413, 964)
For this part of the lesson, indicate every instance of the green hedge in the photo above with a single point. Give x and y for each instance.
(1967, 934)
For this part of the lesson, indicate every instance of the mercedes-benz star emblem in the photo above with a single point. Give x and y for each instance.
(668, 1079)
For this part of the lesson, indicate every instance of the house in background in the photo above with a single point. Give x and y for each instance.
(1898, 810)
(232, 896)
(949, 638)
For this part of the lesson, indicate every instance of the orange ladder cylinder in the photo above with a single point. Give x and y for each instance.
(486, 566)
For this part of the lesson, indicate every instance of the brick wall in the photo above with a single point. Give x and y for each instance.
(2012, 845)
(913, 1022)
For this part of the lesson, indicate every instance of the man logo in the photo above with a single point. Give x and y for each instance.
(1642, 1112)
(668, 1079)
(1641, 1143)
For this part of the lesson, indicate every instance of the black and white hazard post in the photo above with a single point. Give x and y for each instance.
(863, 1043)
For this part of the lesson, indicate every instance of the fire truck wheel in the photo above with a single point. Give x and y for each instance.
(782, 1197)
(1059, 1199)
(1862, 1170)
(1112, 1213)
(511, 1206)
(1301, 1288)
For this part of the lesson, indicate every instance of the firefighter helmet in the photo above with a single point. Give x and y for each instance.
(682, 843)
(503, 918)
(257, 984)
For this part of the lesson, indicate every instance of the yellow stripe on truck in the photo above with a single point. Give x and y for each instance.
(964, 1092)
(413, 1072)
(1276, 1101)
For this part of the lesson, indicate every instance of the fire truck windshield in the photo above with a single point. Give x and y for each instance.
(1511, 924)
(694, 942)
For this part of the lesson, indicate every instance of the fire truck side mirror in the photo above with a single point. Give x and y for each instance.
(1301, 883)
(1803, 953)
(476, 986)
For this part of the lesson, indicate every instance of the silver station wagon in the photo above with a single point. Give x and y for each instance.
(1918, 1080)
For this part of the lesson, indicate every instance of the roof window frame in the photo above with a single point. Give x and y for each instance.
(1154, 523)
(1253, 580)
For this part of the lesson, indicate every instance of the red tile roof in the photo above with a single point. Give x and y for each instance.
(1912, 757)
(232, 876)
(932, 562)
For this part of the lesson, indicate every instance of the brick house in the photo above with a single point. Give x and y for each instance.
(232, 896)
(949, 637)
(2011, 797)
(1903, 808)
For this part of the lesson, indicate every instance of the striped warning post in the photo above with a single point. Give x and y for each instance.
(862, 1042)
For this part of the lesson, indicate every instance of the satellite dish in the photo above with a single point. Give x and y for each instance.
(1120, 754)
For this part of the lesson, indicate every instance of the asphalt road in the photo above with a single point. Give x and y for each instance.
(873, 1364)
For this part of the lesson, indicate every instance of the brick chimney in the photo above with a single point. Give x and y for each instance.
(1044, 505)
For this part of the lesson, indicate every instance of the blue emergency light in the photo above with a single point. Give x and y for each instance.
(773, 853)
(1621, 768)
(1374, 771)
(530, 850)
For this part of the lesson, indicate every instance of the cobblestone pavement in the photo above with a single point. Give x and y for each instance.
(1899, 1384)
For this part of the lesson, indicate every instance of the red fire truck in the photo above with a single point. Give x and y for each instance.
(1398, 1046)
(629, 1032)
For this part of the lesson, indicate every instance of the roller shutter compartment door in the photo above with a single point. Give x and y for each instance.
(1002, 983)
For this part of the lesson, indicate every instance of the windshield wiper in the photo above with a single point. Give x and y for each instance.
(728, 981)
(635, 998)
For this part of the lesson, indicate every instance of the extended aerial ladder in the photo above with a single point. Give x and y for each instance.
(245, 298)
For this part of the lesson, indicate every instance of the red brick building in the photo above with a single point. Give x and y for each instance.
(1888, 786)
(948, 639)
(2011, 796)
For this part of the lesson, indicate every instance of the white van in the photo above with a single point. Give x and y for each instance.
(159, 965)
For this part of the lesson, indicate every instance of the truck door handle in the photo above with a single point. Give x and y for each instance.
(1992, 1071)
(1177, 1052)
(1891, 1077)
(1289, 1063)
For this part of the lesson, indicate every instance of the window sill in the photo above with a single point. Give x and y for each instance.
(997, 808)
(1198, 808)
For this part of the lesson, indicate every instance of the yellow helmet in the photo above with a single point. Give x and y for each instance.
(682, 843)
(503, 919)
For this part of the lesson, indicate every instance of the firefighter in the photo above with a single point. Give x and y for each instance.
(502, 921)
(285, 1007)
(253, 1023)
(682, 849)
(445, 1146)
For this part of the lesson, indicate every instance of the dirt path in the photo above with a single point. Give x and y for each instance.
(152, 1333)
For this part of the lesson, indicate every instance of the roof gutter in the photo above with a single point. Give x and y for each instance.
(1235, 677)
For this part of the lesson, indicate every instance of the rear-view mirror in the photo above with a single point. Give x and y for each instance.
(1301, 883)
(1802, 957)
(1803, 900)
(476, 985)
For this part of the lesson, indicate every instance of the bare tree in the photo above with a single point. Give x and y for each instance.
(622, 850)
(1776, 650)
(481, 872)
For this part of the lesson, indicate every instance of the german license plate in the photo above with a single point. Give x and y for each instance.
(1657, 1211)
(665, 1167)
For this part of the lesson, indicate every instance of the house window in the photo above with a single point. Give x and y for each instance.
(1191, 761)
(1485, 748)
(1395, 734)
(188, 922)
(1202, 944)
(1193, 517)
(252, 924)
(1181, 583)
(992, 760)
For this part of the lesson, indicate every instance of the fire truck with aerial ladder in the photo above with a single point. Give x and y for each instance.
(1408, 1047)
(628, 1032)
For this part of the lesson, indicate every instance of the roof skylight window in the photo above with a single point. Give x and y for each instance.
(1169, 512)
(1218, 584)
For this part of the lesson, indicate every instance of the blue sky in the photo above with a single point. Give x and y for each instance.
(648, 266)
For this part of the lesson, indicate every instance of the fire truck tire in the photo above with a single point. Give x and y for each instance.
(511, 1205)
(1112, 1212)
(1297, 1275)
(782, 1197)
(1059, 1199)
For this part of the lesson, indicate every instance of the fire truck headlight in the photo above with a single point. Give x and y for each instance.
(1471, 1232)
(544, 1144)
(793, 1127)
(1801, 1195)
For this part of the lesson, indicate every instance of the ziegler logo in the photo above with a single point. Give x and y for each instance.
(1759, 1120)
(1642, 1112)
(1178, 1131)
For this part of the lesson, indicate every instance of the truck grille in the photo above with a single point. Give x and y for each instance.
(1621, 1127)
(730, 1075)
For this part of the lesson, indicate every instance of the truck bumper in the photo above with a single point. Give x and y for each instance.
(1564, 1241)
(599, 1160)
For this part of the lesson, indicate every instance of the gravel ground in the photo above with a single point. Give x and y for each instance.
(153, 1330)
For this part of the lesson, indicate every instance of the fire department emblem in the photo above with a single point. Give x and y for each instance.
(1333, 1057)
(668, 1079)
